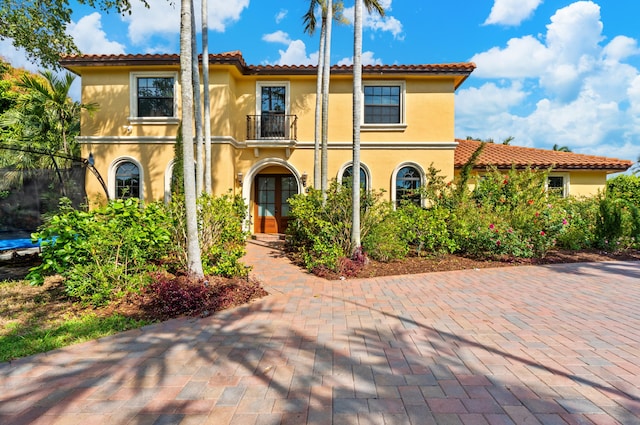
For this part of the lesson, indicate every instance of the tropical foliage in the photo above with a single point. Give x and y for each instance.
(506, 215)
(110, 251)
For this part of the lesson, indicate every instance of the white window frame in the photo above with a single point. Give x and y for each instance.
(565, 183)
(367, 173)
(402, 125)
(133, 98)
(261, 84)
(394, 179)
(112, 175)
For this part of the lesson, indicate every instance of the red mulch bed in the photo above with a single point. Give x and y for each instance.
(449, 262)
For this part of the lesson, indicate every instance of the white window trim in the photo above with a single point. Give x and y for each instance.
(261, 84)
(402, 125)
(111, 177)
(133, 99)
(367, 173)
(394, 179)
(566, 183)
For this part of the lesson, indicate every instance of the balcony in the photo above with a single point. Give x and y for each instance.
(274, 127)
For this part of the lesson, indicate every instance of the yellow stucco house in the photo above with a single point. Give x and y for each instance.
(262, 127)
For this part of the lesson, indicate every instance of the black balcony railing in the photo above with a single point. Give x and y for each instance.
(272, 127)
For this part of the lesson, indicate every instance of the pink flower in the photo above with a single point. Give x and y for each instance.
(564, 222)
(491, 226)
(542, 233)
(498, 243)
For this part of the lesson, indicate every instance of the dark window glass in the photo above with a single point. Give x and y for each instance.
(347, 177)
(555, 184)
(155, 97)
(127, 181)
(407, 185)
(382, 104)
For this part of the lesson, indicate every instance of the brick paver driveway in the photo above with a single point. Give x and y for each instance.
(536, 345)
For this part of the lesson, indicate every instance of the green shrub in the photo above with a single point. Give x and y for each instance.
(104, 252)
(221, 235)
(625, 187)
(320, 232)
(385, 242)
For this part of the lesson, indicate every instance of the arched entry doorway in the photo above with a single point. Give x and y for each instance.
(272, 188)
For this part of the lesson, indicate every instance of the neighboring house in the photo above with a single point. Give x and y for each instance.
(262, 126)
(572, 174)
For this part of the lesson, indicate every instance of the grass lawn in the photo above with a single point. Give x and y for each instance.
(35, 319)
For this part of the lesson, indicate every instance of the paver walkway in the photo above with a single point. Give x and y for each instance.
(526, 345)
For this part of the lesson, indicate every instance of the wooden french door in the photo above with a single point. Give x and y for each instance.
(271, 211)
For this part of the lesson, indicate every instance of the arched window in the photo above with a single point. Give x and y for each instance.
(408, 181)
(127, 180)
(347, 176)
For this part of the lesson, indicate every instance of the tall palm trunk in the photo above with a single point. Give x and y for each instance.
(207, 107)
(357, 116)
(317, 179)
(195, 75)
(194, 261)
(325, 96)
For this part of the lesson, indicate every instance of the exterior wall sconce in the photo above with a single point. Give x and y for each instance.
(239, 179)
(303, 179)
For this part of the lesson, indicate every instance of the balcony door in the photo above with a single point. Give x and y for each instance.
(272, 193)
(273, 110)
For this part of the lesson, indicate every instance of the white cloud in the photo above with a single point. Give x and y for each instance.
(620, 48)
(281, 15)
(579, 92)
(16, 57)
(375, 22)
(523, 57)
(368, 58)
(511, 12)
(163, 18)
(88, 35)
(489, 99)
(296, 54)
(277, 37)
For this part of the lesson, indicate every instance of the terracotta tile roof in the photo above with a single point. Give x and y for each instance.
(460, 70)
(504, 156)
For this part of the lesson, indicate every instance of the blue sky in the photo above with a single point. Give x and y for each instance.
(548, 72)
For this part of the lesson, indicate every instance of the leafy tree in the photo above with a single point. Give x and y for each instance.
(39, 26)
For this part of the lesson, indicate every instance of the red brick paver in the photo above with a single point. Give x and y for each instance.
(542, 345)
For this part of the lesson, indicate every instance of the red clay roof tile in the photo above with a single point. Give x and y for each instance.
(506, 156)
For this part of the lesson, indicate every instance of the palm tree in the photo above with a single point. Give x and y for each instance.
(197, 107)
(559, 148)
(207, 107)
(329, 12)
(194, 260)
(357, 113)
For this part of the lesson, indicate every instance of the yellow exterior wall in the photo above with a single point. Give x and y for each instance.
(109, 135)
(587, 183)
(582, 183)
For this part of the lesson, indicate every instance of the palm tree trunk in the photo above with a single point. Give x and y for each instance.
(325, 96)
(357, 116)
(318, 129)
(194, 261)
(197, 107)
(207, 107)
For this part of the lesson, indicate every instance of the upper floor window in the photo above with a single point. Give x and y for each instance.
(382, 104)
(153, 98)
